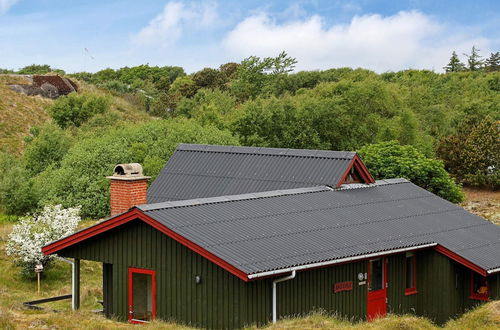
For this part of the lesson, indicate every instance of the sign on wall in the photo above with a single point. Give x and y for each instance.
(342, 286)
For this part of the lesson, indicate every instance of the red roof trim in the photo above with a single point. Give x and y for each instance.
(360, 167)
(138, 214)
(461, 260)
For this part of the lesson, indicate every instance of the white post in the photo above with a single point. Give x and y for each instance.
(75, 290)
(289, 277)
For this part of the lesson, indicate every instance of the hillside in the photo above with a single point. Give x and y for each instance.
(19, 112)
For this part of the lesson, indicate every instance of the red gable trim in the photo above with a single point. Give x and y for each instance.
(461, 260)
(138, 214)
(360, 167)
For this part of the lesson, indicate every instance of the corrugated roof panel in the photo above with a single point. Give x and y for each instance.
(267, 231)
(203, 171)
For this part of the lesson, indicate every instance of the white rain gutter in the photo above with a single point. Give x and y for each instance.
(289, 277)
(338, 261)
(73, 282)
(494, 270)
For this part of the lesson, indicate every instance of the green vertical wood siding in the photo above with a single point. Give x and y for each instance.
(107, 289)
(222, 300)
(313, 290)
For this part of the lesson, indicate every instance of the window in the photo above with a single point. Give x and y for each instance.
(410, 274)
(479, 287)
(376, 277)
(353, 176)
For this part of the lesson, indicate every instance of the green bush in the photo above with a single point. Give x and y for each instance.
(46, 146)
(17, 194)
(81, 179)
(472, 155)
(391, 160)
(75, 109)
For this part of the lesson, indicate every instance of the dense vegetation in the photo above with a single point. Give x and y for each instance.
(444, 121)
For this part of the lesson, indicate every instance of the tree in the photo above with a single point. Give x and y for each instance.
(254, 74)
(33, 232)
(492, 63)
(454, 65)
(75, 109)
(209, 78)
(391, 160)
(81, 177)
(472, 154)
(474, 60)
(46, 146)
(17, 194)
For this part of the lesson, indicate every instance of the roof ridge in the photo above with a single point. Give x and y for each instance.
(233, 198)
(315, 153)
(264, 194)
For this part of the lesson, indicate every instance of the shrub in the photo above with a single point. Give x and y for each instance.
(46, 146)
(390, 160)
(17, 194)
(75, 109)
(81, 179)
(473, 153)
(33, 232)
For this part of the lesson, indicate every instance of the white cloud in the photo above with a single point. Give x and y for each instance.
(5, 5)
(167, 27)
(406, 39)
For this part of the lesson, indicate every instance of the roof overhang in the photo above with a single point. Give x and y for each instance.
(135, 213)
(338, 261)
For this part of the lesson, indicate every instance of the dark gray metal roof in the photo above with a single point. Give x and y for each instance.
(267, 231)
(197, 171)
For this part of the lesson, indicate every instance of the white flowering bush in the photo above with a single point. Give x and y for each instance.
(33, 232)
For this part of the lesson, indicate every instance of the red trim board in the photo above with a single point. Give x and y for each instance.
(461, 260)
(131, 271)
(138, 214)
(360, 167)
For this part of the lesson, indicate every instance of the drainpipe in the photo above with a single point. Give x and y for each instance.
(75, 294)
(289, 277)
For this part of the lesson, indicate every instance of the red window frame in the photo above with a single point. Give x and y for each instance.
(475, 295)
(413, 289)
(132, 270)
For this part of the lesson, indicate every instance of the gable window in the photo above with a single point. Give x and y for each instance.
(353, 176)
(410, 273)
(479, 287)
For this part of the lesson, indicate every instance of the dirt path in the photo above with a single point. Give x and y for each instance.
(485, 203)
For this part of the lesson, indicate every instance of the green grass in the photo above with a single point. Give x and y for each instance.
(57, 281)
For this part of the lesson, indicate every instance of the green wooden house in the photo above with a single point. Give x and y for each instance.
(233, 236)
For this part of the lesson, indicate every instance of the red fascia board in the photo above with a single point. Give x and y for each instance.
(461, 260)
(138, 214)
(360, 167)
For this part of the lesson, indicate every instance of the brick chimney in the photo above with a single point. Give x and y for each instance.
(128, 187)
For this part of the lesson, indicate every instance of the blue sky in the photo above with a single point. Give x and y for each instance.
(379, 35)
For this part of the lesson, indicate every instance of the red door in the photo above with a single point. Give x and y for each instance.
(377, 288)
(141, 295)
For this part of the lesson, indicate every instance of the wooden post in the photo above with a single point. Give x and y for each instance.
(38, 280)
(76, 284)
(38, 270)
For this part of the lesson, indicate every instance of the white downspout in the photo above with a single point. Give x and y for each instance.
(289, 277)
(73, 282)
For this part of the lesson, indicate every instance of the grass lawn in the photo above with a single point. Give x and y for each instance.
(57, 281)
